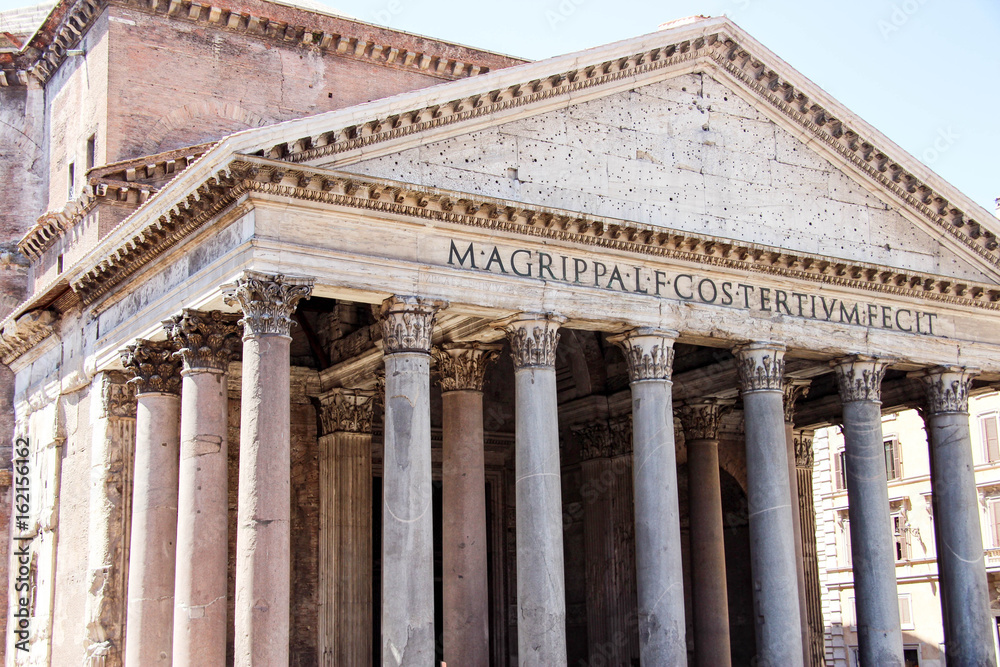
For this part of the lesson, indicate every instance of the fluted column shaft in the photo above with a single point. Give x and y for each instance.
(772, 532)
(873, 558)
(793, 389)
(609, 545)
(465, 592)
(407, 519)
(541, 586)
(263, 539)
(709, 594)
(345, 544)
(810, 558)
(152, 555)
(649, 354)
(964, 588)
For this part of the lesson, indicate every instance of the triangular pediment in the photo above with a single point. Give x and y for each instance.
(691, 153)
(617, 132)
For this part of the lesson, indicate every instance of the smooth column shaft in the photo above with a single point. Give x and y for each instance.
(659, 575)
(541, 587)
(463, 530)
(872, 550)
(154, 531)
(709, 596)
(772, 534)
(200, 611)
(407, 528)
(968, 634)
(794, 495)
(263, 547)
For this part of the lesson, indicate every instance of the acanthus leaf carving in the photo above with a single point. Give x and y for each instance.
(117, 396)
(205, 340)
(760, 366)
(947, 388)
(533, 339)
(803, 441)
(347, 410)
(649, 353)
(859, 378)
(793, 391)
(462, 366)
(267, 301)
(408, 323)
(605, 439)
(153, 366)
(701, 419)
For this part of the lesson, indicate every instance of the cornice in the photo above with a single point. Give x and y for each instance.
(116, 183)
(20, 335)
(46, 50)
(274, 178)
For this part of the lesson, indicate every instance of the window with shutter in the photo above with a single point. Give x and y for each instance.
(893, 459)
(993, 506)
(839, 475)
(905, 611)
(991, 438)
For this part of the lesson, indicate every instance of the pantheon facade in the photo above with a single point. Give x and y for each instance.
(517, 369)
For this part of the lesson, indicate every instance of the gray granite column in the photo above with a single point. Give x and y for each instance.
(461, 369)
(761, 369)
(205, 342)
(541, 586)
(709, 595)
(150, 610)
(810, 557)
(263, 540)
(873, 557)
(609, 543)
(345, 542)
(407, 521)
(968, 629)
(793, 390)
(659, 575)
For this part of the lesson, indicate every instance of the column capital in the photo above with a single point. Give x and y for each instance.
(701, 419)
(947, 388)
(117, 396)
(267, 301)
(153, 366)
(533, 338)
(347, 411)
(407, 323)
(794, 389)
(205, 340)
(859, 377)
(803, 441)
(648, 352)
(462, 366)
(605, 439)
(760, 366)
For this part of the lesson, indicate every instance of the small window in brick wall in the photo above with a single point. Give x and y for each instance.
(991, 440)
(71, 180)
(91, 151)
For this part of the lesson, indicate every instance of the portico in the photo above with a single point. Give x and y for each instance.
(476, 377)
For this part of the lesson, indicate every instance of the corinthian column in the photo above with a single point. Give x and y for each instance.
(541, 584)
(152, 555)
(810, 557)
(795, 389)
(709, 595)
(659, 576)
(263, 542)
(345, 543)
(206, 341)
(761, 368)
(880, 641)
(609, 545)
(964, 589)
(462, 369)
(407, 522)
(112, 419)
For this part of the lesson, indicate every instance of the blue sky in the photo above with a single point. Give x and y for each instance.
(924, 72)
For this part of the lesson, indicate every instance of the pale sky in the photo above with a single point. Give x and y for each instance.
(924, 72)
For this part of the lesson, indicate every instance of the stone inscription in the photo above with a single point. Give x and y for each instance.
(636, 279)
